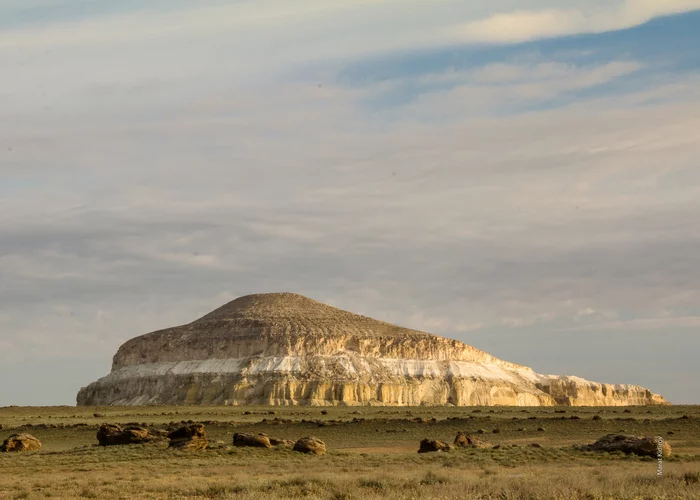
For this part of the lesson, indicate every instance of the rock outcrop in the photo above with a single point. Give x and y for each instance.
(639, 445)
(190, 437)
(311, 445)
(253, 440)
(20, 442)
(430, 445)
(113, 434)
(463, 440)
(286, 349)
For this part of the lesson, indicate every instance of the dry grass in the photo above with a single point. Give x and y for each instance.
(374, 458)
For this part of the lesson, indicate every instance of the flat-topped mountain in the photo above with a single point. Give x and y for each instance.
(286, 349)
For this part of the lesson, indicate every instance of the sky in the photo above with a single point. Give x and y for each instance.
(523, 176)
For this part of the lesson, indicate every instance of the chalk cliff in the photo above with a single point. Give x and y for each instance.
(286, 349)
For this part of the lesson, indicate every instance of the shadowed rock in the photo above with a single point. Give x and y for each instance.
(189, 437)
(310, 444)
(639, 445)
(113, 434)
(430, 445)
(254, 440)
(283, 348)
(20, 442)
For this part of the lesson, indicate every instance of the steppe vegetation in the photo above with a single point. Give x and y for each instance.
(372, 453)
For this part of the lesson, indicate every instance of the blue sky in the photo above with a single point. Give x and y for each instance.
(522, 176)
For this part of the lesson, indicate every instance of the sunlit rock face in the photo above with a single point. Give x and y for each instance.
(286, 349)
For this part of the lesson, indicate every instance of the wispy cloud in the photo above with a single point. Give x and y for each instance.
(155, 165)
(641, 324)
(523, 25)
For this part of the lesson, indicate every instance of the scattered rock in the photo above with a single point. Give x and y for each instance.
(430, 445)
(574, 417)
(496, 431)
(20, 442)
(99, 415)
(639, 445)
(541, 429)
(310, 444)
(2, 427)
(189, 437)
(535, 445)
(596, 417)
(481, 431)
(113, 434)
(255, 440)
(465, 441)
(324, 412)
(670, 433)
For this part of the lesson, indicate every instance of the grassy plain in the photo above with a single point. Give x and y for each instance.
(372, 454)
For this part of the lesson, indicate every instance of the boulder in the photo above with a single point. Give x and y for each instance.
(310, 445)
(113, 434)
(20, 442)
(463, 440)
(189, 437)
(430, 445)
(254, 440)
(639, 445)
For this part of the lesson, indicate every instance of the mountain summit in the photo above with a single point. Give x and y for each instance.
(287, 349)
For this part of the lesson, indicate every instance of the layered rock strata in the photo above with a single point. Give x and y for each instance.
(286, 349)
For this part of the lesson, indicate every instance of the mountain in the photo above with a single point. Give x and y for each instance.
(286, 349)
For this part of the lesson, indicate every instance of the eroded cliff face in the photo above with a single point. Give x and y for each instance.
(285, 349)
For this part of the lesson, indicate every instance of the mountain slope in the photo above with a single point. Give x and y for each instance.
(287, 349)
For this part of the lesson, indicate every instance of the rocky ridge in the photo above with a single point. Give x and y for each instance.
(286, 349)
